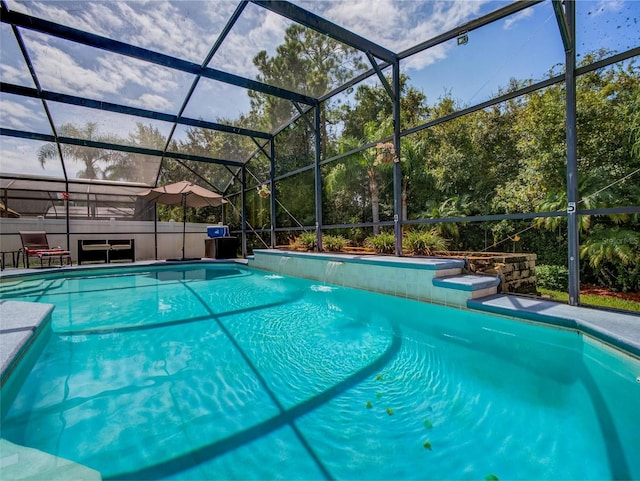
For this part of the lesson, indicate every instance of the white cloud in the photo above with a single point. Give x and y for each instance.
(59, 71)
(161, 27)
(21, 116)
(20, 156)
(107, 76)
(257, 29)
(152, 102)
(605, 6)
(513, 19)
(15, 75)
(181, 29)
(398, 25)
(426, 57)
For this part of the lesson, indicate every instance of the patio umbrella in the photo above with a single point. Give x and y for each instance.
(188, 195)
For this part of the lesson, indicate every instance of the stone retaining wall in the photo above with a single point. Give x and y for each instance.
(517, 271)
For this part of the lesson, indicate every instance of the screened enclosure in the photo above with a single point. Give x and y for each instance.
(483, 126)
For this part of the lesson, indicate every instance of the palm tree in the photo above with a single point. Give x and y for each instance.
(612, 244)
(451, 207)
(95, 161)
(355, 171)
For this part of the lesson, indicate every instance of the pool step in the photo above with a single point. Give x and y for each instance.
(20, 462)
(28, 287)
(477, 285)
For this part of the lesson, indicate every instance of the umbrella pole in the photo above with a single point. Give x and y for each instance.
(155, 228)
(184, 222)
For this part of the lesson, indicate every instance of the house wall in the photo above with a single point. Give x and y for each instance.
(169, 235)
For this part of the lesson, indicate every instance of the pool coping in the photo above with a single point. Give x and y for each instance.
(22, 324)
(621, 330)
(413, 262)
(467, 282)
(23, 272)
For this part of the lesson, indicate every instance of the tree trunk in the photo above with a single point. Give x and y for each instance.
(375, 199)
(404, 200)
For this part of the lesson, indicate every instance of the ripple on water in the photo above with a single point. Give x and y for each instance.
(460, 405)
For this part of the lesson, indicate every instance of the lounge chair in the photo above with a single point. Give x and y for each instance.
(35, 244)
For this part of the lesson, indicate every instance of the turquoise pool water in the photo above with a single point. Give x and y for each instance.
(224, 372)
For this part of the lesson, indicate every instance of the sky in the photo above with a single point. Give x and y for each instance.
(524, 45)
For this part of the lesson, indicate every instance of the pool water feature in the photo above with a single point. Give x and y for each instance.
(225, 372)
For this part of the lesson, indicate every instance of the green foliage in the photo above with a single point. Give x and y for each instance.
(552, 277)
(383, 243)
(635, 123)
(306, 240)
(334, 243)
(295, 200)
(613, 244)
(425, 243)
(613, 253)
(616, 276)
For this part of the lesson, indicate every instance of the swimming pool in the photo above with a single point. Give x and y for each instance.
(225, 372)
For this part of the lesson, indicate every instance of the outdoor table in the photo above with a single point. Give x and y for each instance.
(15, 257)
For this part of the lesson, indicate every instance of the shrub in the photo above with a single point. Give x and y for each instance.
(425, 243)
(552, 277)
(306, 240)
(382, 243)
(333, 242)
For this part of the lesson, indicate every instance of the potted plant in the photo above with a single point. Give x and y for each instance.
(386, 153)
(263, 191)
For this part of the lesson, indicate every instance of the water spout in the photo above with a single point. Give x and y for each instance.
(330, 271)
(282, 263)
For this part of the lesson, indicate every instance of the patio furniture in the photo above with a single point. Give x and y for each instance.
(15, 257)
(35, 244)
(122, 249)
(92, 250)
(221, 247)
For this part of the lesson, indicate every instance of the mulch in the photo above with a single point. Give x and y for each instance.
(601, 291)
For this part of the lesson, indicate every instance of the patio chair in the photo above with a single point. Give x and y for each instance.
(35, 244)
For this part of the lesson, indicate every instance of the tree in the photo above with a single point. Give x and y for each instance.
(608, 167)
(373, 104)
(307, 62)
(95, 162)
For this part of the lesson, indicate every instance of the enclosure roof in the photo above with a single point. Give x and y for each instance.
(123, 90)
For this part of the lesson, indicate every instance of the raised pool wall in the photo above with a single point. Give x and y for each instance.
(429, 279)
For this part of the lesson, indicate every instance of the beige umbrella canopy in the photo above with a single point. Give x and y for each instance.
(185, 193)
(188, 195)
